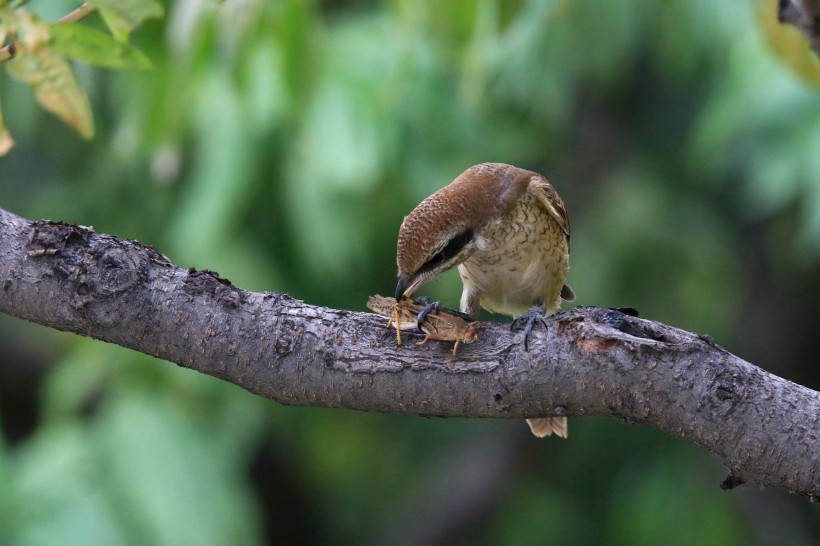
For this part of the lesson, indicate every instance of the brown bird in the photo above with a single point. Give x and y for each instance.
(507, 231)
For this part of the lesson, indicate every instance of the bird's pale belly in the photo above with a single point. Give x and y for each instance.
(512, 286)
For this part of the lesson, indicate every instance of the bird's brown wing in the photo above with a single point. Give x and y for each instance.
(549, 198)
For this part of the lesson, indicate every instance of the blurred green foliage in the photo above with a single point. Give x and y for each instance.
(281, 143)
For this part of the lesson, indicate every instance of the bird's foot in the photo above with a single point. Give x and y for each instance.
(428, 307)
(530, 318)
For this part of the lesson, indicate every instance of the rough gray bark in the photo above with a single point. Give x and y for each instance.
(588, 361)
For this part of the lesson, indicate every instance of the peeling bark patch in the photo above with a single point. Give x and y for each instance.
(567, 324)
(284, 343)
(727, 392)
(724, 391)
(282, 346)
(47, 238)
(96, 269)
(156, 256)
(97, 277)
(631, 326)
(731, 481)
(727, 385)
(204, 278)
(631, 311)
(209, 282)
(596, 345)
(117, 270)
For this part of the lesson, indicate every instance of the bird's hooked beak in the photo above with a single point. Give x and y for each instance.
(407, 285)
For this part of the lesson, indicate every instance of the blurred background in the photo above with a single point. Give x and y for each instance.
(281, 144)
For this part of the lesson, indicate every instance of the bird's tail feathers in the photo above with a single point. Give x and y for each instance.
(544, 426)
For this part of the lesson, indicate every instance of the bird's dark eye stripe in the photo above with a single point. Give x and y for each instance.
(453, 247)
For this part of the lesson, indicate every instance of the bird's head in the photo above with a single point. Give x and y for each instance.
(445, 229)
(430, 243)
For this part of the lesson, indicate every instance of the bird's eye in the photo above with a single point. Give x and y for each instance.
(453, 247)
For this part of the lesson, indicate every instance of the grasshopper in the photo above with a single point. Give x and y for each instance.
(441, 324)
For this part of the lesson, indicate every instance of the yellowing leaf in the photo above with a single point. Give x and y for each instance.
(6, 142)
(790, 46)
(123, 16)
(55, 87)
(30, 30)
(92, 46)
(49, 74)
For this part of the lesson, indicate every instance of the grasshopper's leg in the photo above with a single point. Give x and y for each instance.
(395, 320)
(455, 346)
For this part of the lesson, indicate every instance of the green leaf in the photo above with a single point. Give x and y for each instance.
(92, 46)
(123, 16)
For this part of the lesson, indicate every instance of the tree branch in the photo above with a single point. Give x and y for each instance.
(77, 14)
(588, 361)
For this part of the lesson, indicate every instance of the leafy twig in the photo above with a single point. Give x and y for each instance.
(77, 14)
(9, 51)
